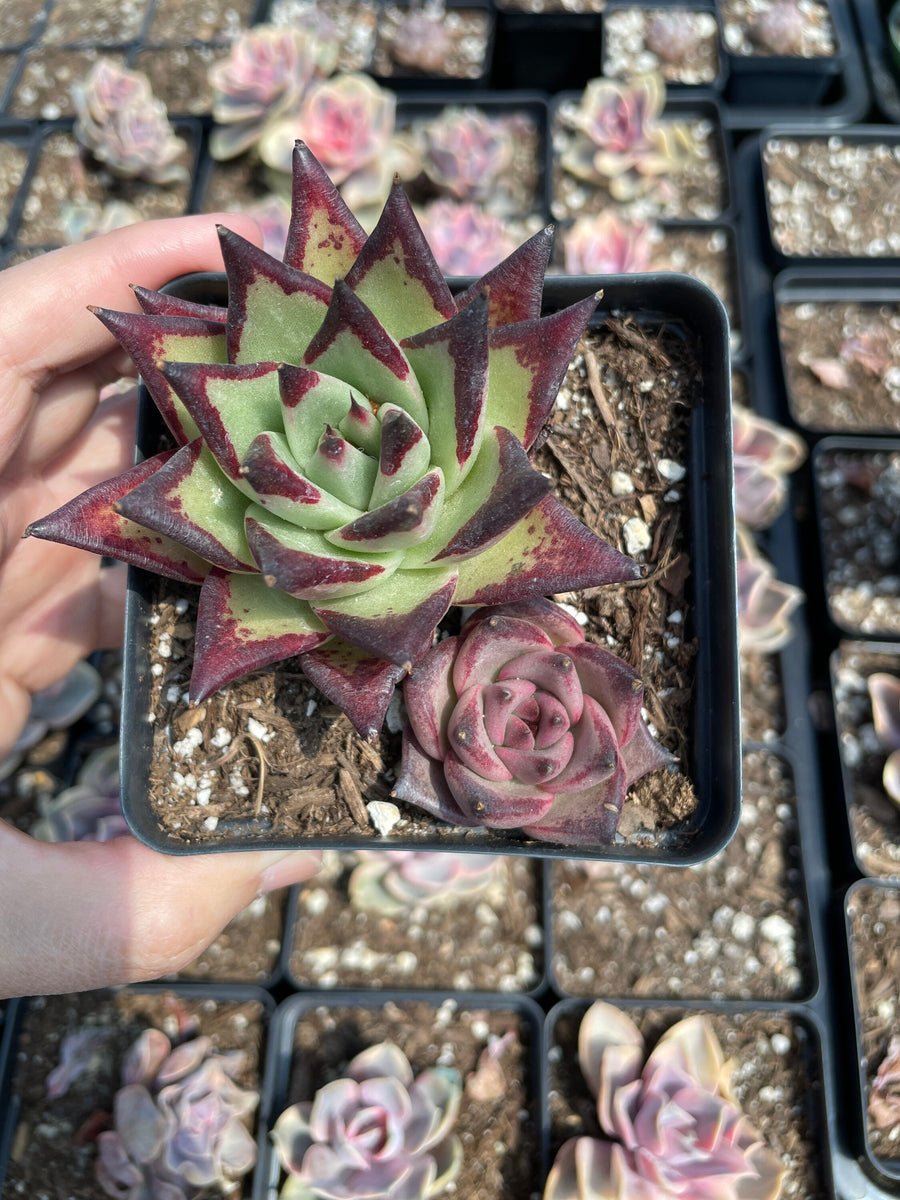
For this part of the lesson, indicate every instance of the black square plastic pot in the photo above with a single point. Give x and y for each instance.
(673, 86)
(714, 767)
(548, 51)
(754, 80)
(290, 1078)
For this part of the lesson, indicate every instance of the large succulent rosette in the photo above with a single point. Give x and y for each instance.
(351, 451)
(519, 723)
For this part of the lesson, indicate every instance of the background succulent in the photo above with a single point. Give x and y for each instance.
(884, 1093)
(465, 239)
(671, 36)
(126, 127)
(351, 451)
(606, 244)
(780, 28)
(672, 1124)
(56, 707)
(422, 41)
(765, 453)
(90, 810)
(765, 602)
(391, 882)
(884, 692)
(179, 1122)
(379, 1132)
(466, 152)
(519, 723)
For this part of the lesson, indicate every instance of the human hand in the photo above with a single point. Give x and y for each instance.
(81, 915)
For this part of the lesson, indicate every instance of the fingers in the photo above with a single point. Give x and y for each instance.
(82, 915)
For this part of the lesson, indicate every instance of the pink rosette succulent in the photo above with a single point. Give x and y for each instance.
(606, 245)
(519, 723)
(765, 603)
(464, 238)
(347, 122)
(884, 692)
(392, 882)
(764, 454)
(675, 1127)
(378, 1132)
(466, 152)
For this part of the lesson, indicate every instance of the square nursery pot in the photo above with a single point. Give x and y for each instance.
(883, 72)
(874, 819)
(778, 1078)
(550, 50)
(44, 1140)
(857, 491)
(839, 341)
(336, 782)
(500, 1117)
(872, 914)
(463, 62)
(632, 43)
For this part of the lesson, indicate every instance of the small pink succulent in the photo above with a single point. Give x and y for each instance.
(422, 41)
(391, 882)
(671, 35)
(780, 28)
(90, 810)
(671, 1123)
(380, 1132)
(606, 244)
(884, 1094)
(765, 603)
(870, 350)
(466, 152)
(519, 723)
(764, 453)
(273, 215)
(884, 692)
(464, 238)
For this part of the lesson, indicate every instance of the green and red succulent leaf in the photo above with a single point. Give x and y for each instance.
(324, 238)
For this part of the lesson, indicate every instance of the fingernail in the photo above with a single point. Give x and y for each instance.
(292, 867)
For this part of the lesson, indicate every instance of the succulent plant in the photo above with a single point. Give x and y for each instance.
(884, 692)
(672, 1124)
(81, 1052)
(764, 454)
(421, 40)
(619, 139)
(520, 723)
(179, 1122)
(265, 76)
(380, 1132)
(55, 707)
(672, 35)
(90, 810)
(780, 28)
(765, 603)
(273, 216)
(391, 882)
(466, 152)
(351, 451)
(869, 349)
(884, 1094)
(606, 244)
(126, 127)
(464, 238)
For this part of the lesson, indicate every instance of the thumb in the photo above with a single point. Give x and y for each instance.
(80, 915)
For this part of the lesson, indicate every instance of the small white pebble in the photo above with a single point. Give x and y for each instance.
(210, 823)
(637, 535)
(220, 739)
(181, 606)
(671, 471)
(383, 815)
(258, 730)
(781, 1043)
(156, 669)
(620, 484)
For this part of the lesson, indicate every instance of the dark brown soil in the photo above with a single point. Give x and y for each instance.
(832, 197)
(174, 21)
(94, 21)
(500, 1134)
(467, 31)
(813, 334)
(741, 30)
(178, 75)
(731, 928)
(626, 52)
(859, 521)
(13, 161)
(248, 948)
(874, 818)
(64, 173)
(777, 1081)
(319, 779)
(492, 941)
(46, 1157)
(762, 698)
(874, 913)
(44, 87)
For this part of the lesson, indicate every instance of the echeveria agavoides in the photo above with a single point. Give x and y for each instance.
(520, 723)
(351, 451)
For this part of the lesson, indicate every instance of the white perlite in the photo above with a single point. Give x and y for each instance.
(620, 484)
(637, 536)
(672, 472)
(383, 815)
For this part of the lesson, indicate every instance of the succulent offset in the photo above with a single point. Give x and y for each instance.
(179, 1123)
(606, 244)
(884, 692)
(519, 723)
(391, 882)
(671, 1122)
(379, 1132)
(884, 1094)
(351, 451)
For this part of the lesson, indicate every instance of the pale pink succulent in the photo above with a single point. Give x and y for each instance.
(466, 152)
(391, 882)
(422, 40)
(765, 603)
(671, 35)
(764, 454)
(884, 692)
(884, 1094)
(265, 76)
(870, 350)
(519, 723)
(273, 216)
(379, 1131)
(90, 810)
(780, 28)
(464, 238)
(606, 244)
(672, 1125)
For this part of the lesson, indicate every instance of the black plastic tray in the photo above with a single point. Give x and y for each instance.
(876, 49)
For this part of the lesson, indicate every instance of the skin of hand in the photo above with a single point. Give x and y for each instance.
(80, 915)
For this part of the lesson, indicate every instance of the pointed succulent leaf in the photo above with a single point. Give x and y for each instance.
(421, 782)
(546, 552)
(530, 359)
(353, 344)
(468, 740)
(594, 752)
(360, 684)
(490, 642)
(161, 304)
(310, 401)
(395, 621)
(273, 309)
(361, 427)
(272, 476)
(302, 563)
(501, 805)
(404, 454)
(558, 625)
(515, 286)
(396, 274)
(324, 238)
(583, 818)
(430, 697)
(229, 403)
(190, 500)
(643, 753)
(397, 524)
(154, 340)
(343, 470)
(451, 364)
(617, 686)
(92, 522)
(242, 625)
